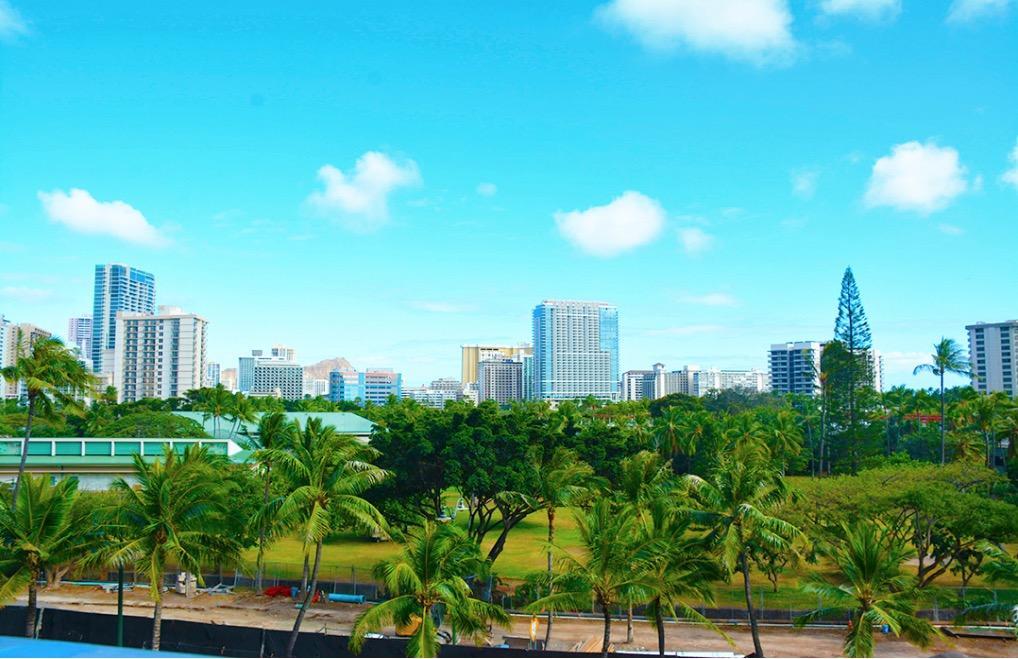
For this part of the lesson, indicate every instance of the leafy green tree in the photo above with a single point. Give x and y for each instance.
(431, 573)
(612, 569)
(734, 504)
(173, 516)
(214, 403)
(273, 432)
(947, 357)
(871, 585)
(154, 425)
(35, 534)
(52, 377)
(326, 474)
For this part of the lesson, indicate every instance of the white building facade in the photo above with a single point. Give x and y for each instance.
(992, 356)
(159, 356)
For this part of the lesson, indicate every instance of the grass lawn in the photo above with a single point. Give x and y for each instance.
(524, 553)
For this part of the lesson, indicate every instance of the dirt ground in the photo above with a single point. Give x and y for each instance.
(259, 611)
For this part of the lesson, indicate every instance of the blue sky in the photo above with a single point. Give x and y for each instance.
(388, 180)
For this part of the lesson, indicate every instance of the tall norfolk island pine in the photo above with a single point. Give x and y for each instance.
(853, 331)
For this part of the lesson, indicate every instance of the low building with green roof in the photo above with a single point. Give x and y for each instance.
(97, 461)
(346, 423)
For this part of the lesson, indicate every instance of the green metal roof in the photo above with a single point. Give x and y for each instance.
(344, 422)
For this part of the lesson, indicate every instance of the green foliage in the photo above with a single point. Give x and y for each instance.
(154, 425)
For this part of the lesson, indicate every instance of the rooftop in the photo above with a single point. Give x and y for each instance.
(344, 422)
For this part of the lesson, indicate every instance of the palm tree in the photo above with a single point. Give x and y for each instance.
(51, 374)
(326, 473)
(612, 570)
(169, 518)
(984, 413)
(431, 571)
(784, 437)
(214, 403)
(36, 533)
(871, 585)
(242, 411)
(274, 431)
(947, 357)
(563, 479)
(682, 566)
(734, 506)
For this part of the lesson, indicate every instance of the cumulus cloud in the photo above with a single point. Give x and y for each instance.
(871, 10)
(804, 183)
(1011, 175)
(360, 200)
(963, 11)
(756, 31)
(923, 178)
(12, 25)
(710, 300)
(628, 221)
(487, 189)
(695, 240)
(80, 211)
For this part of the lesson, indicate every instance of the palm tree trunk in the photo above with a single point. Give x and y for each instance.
(307, 601)
(551, 538)
(304, 576)
(659, 622)
(157, 623)
(757, 648)
(607, 629)
(629, 624)
(943, 441)
(32, 608)
(260, 568)
(24, 447)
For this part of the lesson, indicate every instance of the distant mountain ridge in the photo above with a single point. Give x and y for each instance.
(320, 370)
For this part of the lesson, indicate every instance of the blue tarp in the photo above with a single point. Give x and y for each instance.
(13, 646)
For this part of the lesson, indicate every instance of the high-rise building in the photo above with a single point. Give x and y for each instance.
(638, 385)
(283, 353)
(576, 350)
(344, 385)
(377, 384)
(228, 378)
(212, 377)
(160, 355)
(18, 339)
(992, 356)
(315, 387)
(79, 335)
(500, 380)
(278, 378)
(118, 288)
(473, 354)
(795, 367)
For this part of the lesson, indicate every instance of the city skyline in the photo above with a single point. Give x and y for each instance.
(489, 168)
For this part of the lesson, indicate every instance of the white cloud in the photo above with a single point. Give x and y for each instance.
(710, 300)
(437, 307)
(951, 229)
(757, 31)
(25, 293)
(360, 201)
(963, 11)
(12, 24)
(487, 189)
(1011, 175)
(804, 183)
(916, 177)
(695, 240)
(871, 10)
(628, 221)
(80, 211)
